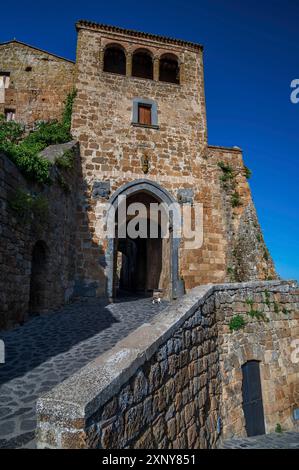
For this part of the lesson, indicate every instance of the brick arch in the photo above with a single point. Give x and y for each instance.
(162, 195)
(145, 49)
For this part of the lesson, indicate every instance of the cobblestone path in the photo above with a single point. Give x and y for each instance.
(285, 440)
(50, 348)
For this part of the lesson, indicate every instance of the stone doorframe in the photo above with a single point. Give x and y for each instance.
(153, 188)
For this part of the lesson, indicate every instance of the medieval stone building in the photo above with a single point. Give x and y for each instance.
(33, 83)
(140, 121)
(140, 130)
(140, 118)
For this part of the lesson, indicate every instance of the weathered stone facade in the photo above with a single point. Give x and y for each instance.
(178, 159)
(167, 161)
(33, 83)
(177, 382)
(269, 341)
(54, 233)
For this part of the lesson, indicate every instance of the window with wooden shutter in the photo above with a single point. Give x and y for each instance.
(145, 114)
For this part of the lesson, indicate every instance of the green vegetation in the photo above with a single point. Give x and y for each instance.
(237, 323)
(258, 315)
(248, 172)
(253, 313)
(229, 183)
(63, 184)
(276, 307)
(10, 131)
(66, 161)
(232, 274)
(235, 200)
(24, 150)
(278, 428)
(228, 173)
(27, 206)
(267, 298)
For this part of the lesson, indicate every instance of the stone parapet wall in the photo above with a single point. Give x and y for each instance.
(170, 384)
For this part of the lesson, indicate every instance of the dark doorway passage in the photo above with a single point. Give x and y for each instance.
(252, 399)
(139, 265)
(38, 280)
(142, 265)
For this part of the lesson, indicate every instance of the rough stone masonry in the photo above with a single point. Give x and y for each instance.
(133, 142)
(167, 157)
(176, 382)
(140, 130)
(33, 83)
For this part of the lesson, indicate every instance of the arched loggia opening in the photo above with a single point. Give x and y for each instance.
(38, 280)
(145, 264)
(169, 69)
(142, 64)
(115, 60)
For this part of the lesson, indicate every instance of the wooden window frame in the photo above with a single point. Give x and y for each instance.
(145, 118)
(142, 102)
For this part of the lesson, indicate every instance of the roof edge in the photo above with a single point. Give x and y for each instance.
(15, 41)
(81, 24)
(222, 147)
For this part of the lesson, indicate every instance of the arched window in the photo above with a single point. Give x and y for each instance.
(169, 69)
(145, 112)
(142, 65)
(38, 282)
(115, 60)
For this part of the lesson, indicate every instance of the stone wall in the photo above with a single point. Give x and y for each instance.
(267, 340)
(246, 254)
(113, 150)
(19, 235)
(175, 383)
(38, 84)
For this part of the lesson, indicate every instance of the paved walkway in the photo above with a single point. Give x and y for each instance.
(48, 349)
(284, 440)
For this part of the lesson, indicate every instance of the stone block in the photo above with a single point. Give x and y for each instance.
(101, 189)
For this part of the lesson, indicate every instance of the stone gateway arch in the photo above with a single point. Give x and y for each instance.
(158, 259)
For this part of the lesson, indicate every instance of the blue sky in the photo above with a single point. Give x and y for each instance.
(251, 57)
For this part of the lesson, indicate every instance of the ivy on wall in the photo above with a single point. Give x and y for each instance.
(29, 206)
(24, 150)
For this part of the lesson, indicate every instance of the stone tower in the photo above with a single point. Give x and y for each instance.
(140, 119)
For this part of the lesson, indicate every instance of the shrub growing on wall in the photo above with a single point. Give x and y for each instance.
(24, 150)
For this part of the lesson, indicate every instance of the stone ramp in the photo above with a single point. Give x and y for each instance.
(50, 348)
